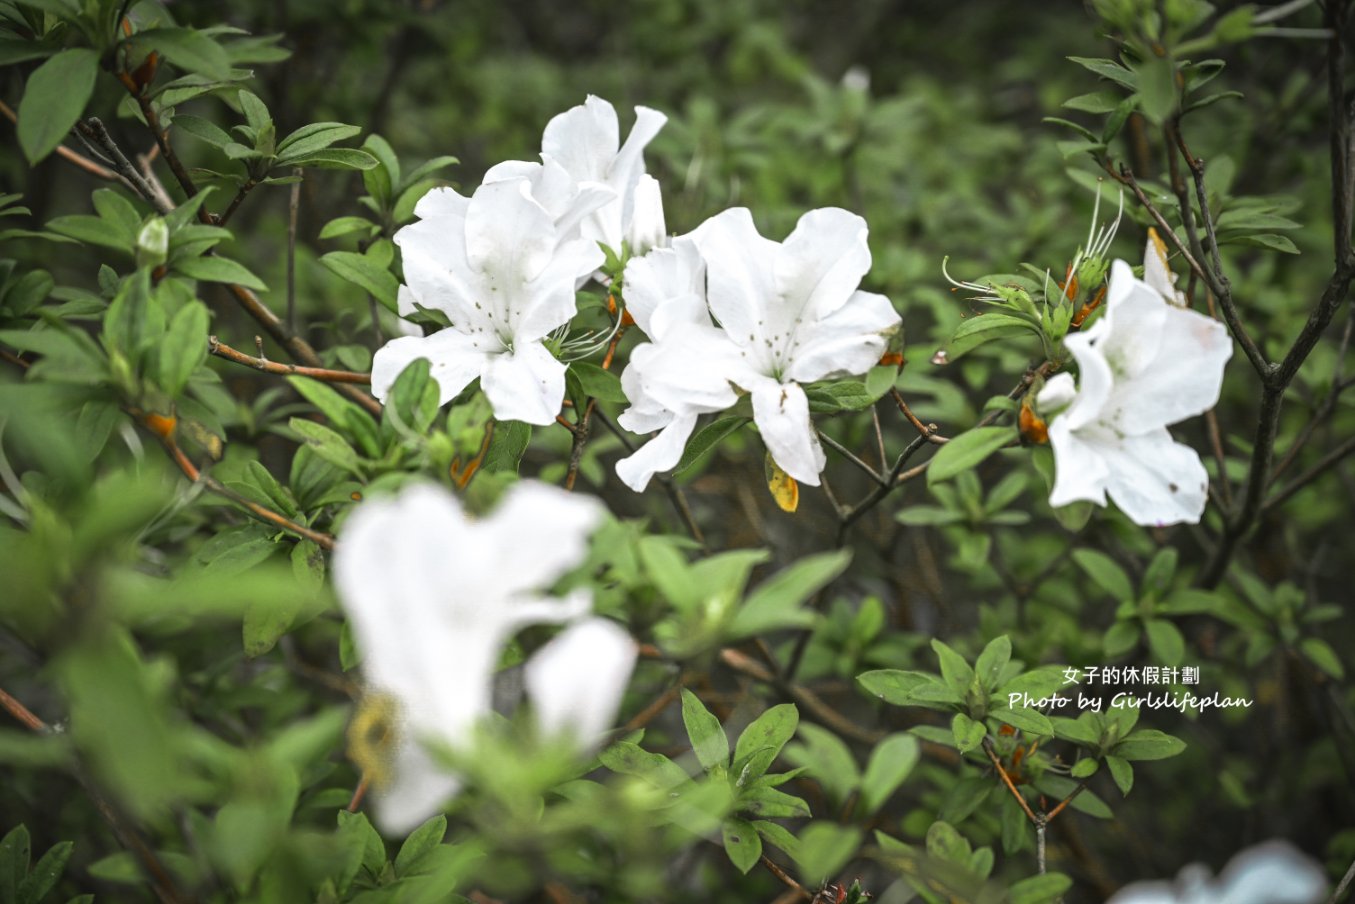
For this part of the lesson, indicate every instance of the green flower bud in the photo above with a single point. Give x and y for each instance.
(152, 243)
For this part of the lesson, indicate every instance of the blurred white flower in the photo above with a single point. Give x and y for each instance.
(1269, 873)
(1145, 364)
(433, 595)
(503, 269)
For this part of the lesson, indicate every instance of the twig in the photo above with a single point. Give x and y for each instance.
(847, 454)
(1328, 406)
(581, 431)
(293, 207)
(1007, 780)
(927, 430)
(163, 428)
(159, 877)
(1328, 461)
(94, 130)
(221, 350)
(656, 706)
(20, 712)
(1343, 885)
(801, 695)
(167, 150)
(65, 153)
(675, 494)
(781, 874)
(234, 205)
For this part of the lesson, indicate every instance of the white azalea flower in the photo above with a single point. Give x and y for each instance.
(794, 315)
(432, 597)
(1144, 365)
(583, 146)
(665, 293)
(503, 268)
(1270, 873)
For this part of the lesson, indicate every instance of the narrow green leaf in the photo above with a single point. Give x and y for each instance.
(211, 268)
(705, 732)
(362, 271)
(762, 740)
(966, 451)
(598, 383)
(1107, 575)
(184, 347)
(706, 439)
(187, 48)
(890, 763)
(55, 97)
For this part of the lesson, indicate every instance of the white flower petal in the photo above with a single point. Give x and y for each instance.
(550, 301)
(1184, 378)
(526, 385)
(659, 454)
(454, 360)
(1155, 480)
(584, 139)
(1057, 394)
(418, 790)
(781, 412)
(739, 273)
(647, 228)
(1272, 873)
(1131, 328)
(510, 237)
(1157, 272)
(821, 263)
(442, 203)
(669, 280)
(1080, 472)
(537, 533)
(848, 341)
(576, 681)
(688, 372)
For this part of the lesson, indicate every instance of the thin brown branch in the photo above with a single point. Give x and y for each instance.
(656, 706)
(236, 201)
(800, 695)
(164, 428)
(785, 878)
(853, 458)
(581, 431)
(219, 349)
(1326, 463)
(293, 209)
(926, 430)
(21, 713)
(167, 151)
(94, 131)
(65, 153)
(1007, 780)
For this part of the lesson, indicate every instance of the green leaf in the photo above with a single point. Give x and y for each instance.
(890, 763)
(968, 733)
(187, 48)
(55, 97)
(946, 843)
(777, 835)
(1122, 771)
(1165, 641)
(1319, 653)
(1264, 240)
(706, 439)
(1028, 720)
(256, 114)
(958, 674)
(742, 843)
(219, 269)
(1107, 575)
(184, 347)
(705, 732)
(327, 444)
(762, 740)
(895, 686)
(759, 799)
(992, 661)
(202, 129)
(45, 873)
(346, 226)
(1157, 88)
(629, 758)
(420, 841)
(777, 602)
(1085, 767)
(1148, 744)
(1109, 69)
(1045, 889)
(598, 383)
(967, 451)
(315, 136)
(331, 158)
(828, 759)
(14, 857)
(825, 848)
(984, 328)
(92, 231)
(362, 271)
(507, 446)
(847, 395)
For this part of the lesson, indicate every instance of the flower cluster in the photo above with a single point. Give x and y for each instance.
(727, 312)
(1145, 364)
(784, 314)
(433, 596)
(502, 266)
